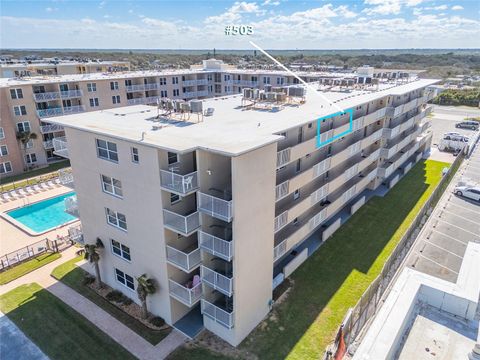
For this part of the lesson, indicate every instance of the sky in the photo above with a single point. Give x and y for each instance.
(276, 24)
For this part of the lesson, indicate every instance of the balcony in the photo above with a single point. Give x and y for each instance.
(60, 147)
(71, 206)
(45, 129)
(143, 100)
(45, 113)
(70, 94)
(283, 157)
(216, 280)
(65, 176)
(187, 260)
(46, 96)
(186, 295)
(179, 184)
(216, 246)
(73, 109)
(182, 224)
(48, 144)
(142, 87)
(215, 207)
(76, 234)
(217, 314)
(279, 250)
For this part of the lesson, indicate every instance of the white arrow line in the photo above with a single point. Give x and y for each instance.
(297, 77)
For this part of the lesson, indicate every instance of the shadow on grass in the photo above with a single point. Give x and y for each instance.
(334, 278)
(74, 279)
(57, 329)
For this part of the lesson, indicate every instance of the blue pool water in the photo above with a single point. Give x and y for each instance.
(43, 215)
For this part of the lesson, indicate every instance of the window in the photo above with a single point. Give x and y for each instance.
(135, 157)
(175, 80)
(116, 99)
(94, 102)
(298, 165)
(91, 87)
(310, 125)
(266, 80)
(29, 144)
(176, 92)
(107, 150)
(3, 150)
(30, 158)
(174, 198)
(226, 77)
(124, 279)
(23, 126)
(113, 85)
(163, 81)
(16, 93)
(5, 167)
(172, 158)
(116, 219)
(120, 250)
(2, 133)
(112, 186)
(296, 194)
(20, 110)
(163, 93)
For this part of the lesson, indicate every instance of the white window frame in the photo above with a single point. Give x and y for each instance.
(122, 250)
(176, 92)
(162, 81)
(24, 128)
(177, 198)
(109, 152)
(116, 99)
(92, 87)
(29, 144)
(28, 158)
(2, 133)
(114, 85)
(3, 150)
(135, 155)
(94, 102)
(113, 219)
(3, 167)
(17, 92)
(169, 156)
(113, 184)
(120, 273)
(17, 110)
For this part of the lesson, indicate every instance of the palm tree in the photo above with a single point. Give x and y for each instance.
(92, 255)
(145, 287)
(24, 137)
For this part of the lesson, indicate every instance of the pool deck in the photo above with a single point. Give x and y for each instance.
(14, 238)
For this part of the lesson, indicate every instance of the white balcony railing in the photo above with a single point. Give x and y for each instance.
(46, 96)
(181, 184)
(71, 94)
(142, 87)
(283, 157)
(71, 206)
(216, 246)
(280, 221)
(215, 207)
(217, 314)
(216, 280)
(279, 250)
(185, 261)
(187, 296)
(60, 147)
(65, 176)
(44, 113)
(76, 234)
(181, 224)
(48, 144)
(73, 109)
(45, 129)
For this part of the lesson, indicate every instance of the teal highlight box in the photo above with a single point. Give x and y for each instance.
(321, 143)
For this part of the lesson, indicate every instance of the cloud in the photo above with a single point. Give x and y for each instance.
(457, 7)
(106, 16)
(234, 13)
(51, 9)
(102, 4)
(271, 2)
(388, 7)
(88, 21)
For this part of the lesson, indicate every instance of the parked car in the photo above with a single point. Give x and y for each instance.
(468, 191)
(455, 137)
(473, 125)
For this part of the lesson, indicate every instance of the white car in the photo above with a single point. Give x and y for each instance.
(468, 191)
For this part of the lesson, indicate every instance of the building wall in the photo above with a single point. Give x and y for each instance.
(14, 156)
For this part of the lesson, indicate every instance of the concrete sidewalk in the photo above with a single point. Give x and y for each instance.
(123, 335)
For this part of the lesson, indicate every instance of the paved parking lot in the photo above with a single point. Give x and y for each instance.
(440, 248)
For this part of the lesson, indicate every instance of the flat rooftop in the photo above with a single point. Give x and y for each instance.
(232, 129)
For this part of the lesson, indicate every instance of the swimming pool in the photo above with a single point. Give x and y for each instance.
(43, 215)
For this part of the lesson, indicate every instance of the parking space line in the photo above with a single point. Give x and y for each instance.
(462, 217)
(458, 227)
(464, 208)
(449, 236)
(441, 248)
(438, 264)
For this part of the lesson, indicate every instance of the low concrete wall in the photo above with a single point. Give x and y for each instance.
(331, 229)
(357, 205)
(407, 168)
(295, 263)
(393, 181)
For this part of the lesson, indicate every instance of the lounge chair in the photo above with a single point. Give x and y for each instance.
(13, 194)
(43, 186)
(37, 188)
(50, 184)
(30, 190)
(209, 112)
(22, 192)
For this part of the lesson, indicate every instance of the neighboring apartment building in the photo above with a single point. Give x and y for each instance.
(27, 69)
(217, 210)
(28, 103)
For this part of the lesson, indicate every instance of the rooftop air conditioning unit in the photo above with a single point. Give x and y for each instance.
(247, 93)
(196, 106)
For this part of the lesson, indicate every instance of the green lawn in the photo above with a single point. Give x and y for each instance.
(28, 266)
(57, 329)
(72, 275)
(31, 177)
(335, 277)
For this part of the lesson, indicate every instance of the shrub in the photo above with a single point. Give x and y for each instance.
(157, 321)
(114, 295)
(126, 300)
(88, 279)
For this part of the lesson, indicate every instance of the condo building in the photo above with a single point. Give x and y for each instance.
(217, 199)
(27, 103)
